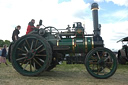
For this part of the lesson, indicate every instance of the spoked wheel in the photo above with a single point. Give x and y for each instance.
(31, 55)
(101, 63)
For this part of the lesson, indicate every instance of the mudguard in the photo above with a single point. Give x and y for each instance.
(122, 52)
(122, 56)
(9, 51)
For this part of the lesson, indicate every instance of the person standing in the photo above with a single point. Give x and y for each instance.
(0, 54)
(30, 26)
(3, 55)
(16, 32)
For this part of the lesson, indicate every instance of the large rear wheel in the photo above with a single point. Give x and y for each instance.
(31, 55)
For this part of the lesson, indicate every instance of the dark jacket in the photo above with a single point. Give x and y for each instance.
(4, 52)
(15, 33)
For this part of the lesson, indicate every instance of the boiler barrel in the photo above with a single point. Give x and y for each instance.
(76, 45)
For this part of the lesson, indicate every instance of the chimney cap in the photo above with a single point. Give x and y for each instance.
(94, 6)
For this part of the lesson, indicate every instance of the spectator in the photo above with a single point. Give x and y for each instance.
(0, 54)
(0, 51)
(30, 26)
(16, 32)
(37, 26)
(3, 55)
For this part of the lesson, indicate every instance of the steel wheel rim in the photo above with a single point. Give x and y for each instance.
(101, 63)
(31, 52)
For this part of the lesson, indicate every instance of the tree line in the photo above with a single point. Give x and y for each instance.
(3, 42)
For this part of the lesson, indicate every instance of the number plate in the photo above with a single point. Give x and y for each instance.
(79, 40)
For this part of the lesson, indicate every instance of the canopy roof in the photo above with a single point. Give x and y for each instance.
(123, 39)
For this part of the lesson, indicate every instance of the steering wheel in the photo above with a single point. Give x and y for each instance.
(50, 29)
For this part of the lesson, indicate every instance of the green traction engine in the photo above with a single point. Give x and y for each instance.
(43, 49)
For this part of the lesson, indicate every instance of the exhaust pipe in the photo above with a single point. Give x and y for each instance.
(96, 25)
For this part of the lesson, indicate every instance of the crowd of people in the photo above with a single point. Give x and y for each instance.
(16, 32)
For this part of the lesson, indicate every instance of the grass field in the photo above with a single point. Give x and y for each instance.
(62, 75)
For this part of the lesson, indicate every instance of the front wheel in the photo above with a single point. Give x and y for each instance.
(101, 63)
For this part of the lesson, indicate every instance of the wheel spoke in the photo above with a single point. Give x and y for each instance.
(26, 48)
(93, 67)
(97, 69)
(39, 55)
(23, 62)
(109, 65)
(36, 62)
(40, 59)
(20, 58)
(103, 55)
(21, 50)
(32, 45)
(25, 66)
(39, 47)
(34, 65)
(41, 50)
(30, 65)
(36, 43)
(103, 70)
(94, 63)
(27, 43)
(94, 58)
(23, 54)
(98, 55)
(106, 58)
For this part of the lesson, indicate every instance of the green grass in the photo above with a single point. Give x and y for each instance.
(62, 75)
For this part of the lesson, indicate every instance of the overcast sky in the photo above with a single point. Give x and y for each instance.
(113, 16)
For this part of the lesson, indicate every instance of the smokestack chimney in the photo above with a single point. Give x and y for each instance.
(94, 8)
